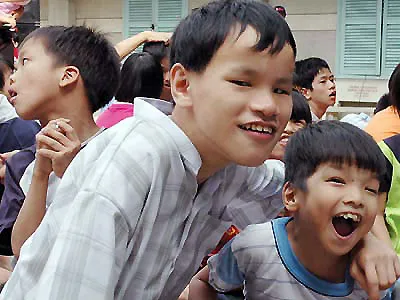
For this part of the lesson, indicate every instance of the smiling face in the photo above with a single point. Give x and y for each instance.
(337, 209)
(324, 89)
(292, 126)
(35, 83)
(236, 109)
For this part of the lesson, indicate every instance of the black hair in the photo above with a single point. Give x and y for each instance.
(394, 88)
(89, 51)
(5, 65)
(331, 142)
(198, 37)
(158, 49)
(141, 76)
(301, 109)
(306, 70)
(383, 102)
(280, 10)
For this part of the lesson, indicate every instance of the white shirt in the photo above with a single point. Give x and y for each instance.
(261, 257)
(7, 112)
(128, 221)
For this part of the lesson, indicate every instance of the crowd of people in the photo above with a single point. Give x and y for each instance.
(200, 167)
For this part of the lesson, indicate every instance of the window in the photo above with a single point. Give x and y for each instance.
(159, 15)
(368, 37)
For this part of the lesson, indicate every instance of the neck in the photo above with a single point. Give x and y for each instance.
(211, 161)
(80, 116)
(318, 109)
(314, 257)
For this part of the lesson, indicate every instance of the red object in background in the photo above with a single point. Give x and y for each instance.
(228, 235)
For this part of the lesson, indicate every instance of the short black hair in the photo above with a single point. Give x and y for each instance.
(89, 51)
(331, 142)
(301, 109)
(306, 70)
(141, 76)
(383, 102)
(394, 88)
(158, 49)
(198, 37)
(5, 65)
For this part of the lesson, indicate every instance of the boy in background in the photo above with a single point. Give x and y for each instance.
(314, 79)
(331, 190)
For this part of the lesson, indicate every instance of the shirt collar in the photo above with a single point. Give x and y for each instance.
(156, 111)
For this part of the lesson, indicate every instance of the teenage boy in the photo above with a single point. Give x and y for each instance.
(314, 79)
(333, 198)
(78, 79)
(143, 203)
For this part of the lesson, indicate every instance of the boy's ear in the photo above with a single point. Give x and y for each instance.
(289, 195)
(306, 93)
(179, 81)
(70, 75)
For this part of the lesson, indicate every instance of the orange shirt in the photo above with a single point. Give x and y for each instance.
(384, 124)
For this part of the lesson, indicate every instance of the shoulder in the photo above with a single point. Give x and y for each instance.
(253, 237)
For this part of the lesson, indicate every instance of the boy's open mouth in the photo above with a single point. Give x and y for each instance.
(345, 223)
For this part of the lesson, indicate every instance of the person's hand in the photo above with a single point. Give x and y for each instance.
(185, 294)
(375, 266)
(3, 158)
(59, 144)
(154, 36)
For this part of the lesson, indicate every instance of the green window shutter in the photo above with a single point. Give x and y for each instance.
(391, 36)
(359, 34)
(138, 16)
(169, 14)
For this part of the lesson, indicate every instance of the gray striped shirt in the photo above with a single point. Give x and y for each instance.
(128, 221)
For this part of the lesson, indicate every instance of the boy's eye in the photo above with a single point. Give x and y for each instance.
(371, 190)
(240, 83)
(281, 92)
(336, 180)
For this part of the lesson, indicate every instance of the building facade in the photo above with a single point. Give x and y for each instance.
(357, 38)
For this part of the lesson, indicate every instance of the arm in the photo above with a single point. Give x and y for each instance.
(199, 288)
(128, 45)
(379, 228)
(56, 147)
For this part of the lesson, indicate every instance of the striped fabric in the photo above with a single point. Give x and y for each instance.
(129, 221)
(261, 257)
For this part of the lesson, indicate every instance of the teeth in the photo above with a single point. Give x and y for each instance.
(259, 128)
(354, 217)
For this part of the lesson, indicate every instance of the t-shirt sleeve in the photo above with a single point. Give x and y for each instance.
(225, 274)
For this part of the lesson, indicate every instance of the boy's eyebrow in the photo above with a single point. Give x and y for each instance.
(285, 80)
(253, 72)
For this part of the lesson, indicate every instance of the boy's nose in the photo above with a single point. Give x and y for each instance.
(264, 104)
(354, 199)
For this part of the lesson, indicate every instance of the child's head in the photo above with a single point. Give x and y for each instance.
(300, 117)
(141, 76)
(333, 172)
(394, 88)
(231, 78)
(56, 62)
(6, 69)
(314, 79)
(161, 53)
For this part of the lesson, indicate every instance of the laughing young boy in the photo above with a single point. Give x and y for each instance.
(332, 193)
(144, 202)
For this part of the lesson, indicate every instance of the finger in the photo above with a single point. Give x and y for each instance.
(391, 275)
(69, 131)
(47, 153)
(56, 134)
(357, 273)
(372, 281)
(397, 267)
(45, 141)
(384, 274)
